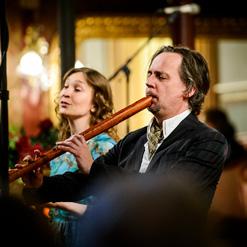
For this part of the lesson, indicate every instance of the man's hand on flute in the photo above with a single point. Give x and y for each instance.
(33, 179)
(77, 145)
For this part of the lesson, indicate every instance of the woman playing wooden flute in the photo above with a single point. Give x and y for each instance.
(84, 100)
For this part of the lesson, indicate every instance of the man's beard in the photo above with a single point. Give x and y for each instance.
(154, 109)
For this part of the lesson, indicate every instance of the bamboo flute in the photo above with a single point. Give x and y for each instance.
(104, 125)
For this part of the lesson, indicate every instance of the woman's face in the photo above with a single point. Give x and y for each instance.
(76, 97)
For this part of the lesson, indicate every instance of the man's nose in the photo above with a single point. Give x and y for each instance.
(150, 82)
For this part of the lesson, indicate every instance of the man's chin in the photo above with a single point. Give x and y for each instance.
(154, 109)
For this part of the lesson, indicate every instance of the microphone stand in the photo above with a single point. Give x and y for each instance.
(4, 96)
(170, 19)
(125, 69)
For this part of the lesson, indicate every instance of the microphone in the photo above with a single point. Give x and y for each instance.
(190, 8)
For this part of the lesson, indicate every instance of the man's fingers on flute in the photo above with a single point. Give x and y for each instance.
(20, 166)
(27, 159)
(12, 170)
(37, 154)
(65, 148)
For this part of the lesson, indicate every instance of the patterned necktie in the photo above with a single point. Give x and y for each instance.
(154, 137)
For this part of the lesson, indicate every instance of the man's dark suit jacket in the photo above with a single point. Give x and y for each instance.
(192, 148)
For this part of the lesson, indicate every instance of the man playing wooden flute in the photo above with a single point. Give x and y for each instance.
(174, 142)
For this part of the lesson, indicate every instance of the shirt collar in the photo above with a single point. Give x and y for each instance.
(170, 124)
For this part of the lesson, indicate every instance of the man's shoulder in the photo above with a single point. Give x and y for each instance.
(204, 130)
(199, 128)
(140, 131)
(135, 135)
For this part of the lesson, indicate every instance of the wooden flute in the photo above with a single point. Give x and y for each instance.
(104, 125)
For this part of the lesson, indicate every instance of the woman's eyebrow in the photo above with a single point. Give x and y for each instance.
(76, 81)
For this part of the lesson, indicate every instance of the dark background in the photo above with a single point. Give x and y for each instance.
(209, 8)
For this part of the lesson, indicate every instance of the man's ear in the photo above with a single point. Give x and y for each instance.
(189, 93)
(192, 92)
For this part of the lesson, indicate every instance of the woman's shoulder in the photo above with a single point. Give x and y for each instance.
(63, 163)
(103, 137)
(100, 144)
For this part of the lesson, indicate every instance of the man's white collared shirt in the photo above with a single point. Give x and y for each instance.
(168, 126)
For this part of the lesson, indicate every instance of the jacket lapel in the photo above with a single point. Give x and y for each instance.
(136, 155)
(181, 131)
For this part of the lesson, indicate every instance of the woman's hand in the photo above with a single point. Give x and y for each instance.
(76, 144)
(33, 179)
(72, 207)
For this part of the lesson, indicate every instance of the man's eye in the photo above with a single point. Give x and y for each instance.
(159, 76)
